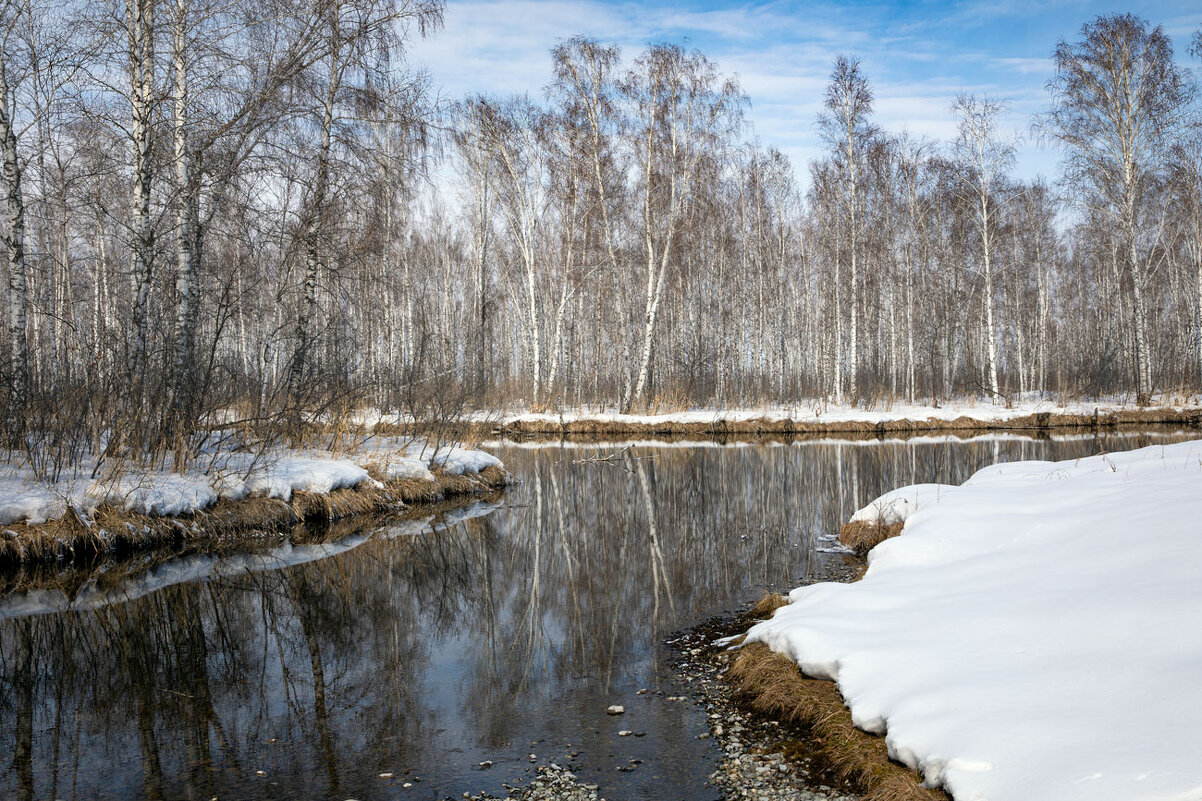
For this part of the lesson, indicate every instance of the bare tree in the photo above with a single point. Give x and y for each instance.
(683, 110)
(1119, 102)
(847, 130)
(17, 295)
(984, 158)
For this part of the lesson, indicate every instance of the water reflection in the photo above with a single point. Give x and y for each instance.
(424, 653)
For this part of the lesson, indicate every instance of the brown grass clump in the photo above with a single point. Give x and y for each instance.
(415, 490)
(766, 607)
(864, 535)
(772, 685)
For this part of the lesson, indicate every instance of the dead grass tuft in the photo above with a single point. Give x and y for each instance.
(771, 684)
(863, 535)
(765, 607)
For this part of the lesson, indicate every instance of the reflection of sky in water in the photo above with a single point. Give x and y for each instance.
(489, 638)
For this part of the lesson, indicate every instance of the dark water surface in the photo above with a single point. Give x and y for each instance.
(423, 652)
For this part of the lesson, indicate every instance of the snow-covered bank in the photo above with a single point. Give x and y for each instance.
(277, 473)
(819, 417)
(1032, 634)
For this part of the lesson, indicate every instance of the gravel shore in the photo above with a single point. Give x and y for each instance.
(763, 759)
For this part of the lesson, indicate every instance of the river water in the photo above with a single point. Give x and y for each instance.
(498, 635)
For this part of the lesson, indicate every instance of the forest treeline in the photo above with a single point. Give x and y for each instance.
(261, 211)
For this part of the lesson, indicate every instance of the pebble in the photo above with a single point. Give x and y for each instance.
(552, 783)
(616, 709)
(752, 766)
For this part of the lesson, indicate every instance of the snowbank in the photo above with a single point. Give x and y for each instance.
(1034, 635)
(408, 468)
(896, 506)
(457, 461)
(820, 413)
(235, 475)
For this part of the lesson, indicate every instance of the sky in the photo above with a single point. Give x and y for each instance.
(917, 55)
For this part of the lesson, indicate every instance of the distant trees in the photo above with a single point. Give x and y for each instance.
(192, 169)
(684, 113)
(256, 212)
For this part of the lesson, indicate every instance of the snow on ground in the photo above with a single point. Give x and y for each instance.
(457, 461)
(819, 412)
(896, 506)
(234, 475)
(406, 467)
(1034, 635)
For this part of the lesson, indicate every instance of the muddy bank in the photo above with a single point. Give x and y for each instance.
(112, 532)
(544, 426)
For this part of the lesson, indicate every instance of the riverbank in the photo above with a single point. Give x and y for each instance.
(1021, 611)
(784, 737)
(820, 419)
(80, 520)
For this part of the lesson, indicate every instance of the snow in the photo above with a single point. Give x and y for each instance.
(162, 494)
(457, 461)
(406, 467)
(298, 472)
(1033, 635)
(894, 507)
(232, 475)
(612, 445)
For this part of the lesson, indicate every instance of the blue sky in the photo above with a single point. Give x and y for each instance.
(917, 55)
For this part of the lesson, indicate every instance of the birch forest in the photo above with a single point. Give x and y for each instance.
(264, 211)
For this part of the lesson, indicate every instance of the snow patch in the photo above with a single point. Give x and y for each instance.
(457, 461)
(231, 475)
(894, 507)
(1032, 635)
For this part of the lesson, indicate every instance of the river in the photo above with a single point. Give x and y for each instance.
(450, 655)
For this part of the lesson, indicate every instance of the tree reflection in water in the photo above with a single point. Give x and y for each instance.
(429, 653)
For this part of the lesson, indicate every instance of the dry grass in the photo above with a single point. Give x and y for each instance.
(765, 607)
(772, 685)
(864, 535)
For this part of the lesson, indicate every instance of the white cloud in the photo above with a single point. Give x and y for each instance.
(917, 57)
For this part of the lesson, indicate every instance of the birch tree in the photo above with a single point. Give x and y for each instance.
(1119, 103)
(984, 159)
(683, 111)
(847, 130)
(17, 294)
(143, 97)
